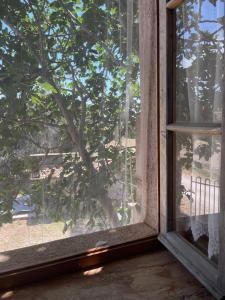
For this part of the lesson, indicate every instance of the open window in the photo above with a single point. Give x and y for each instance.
(192, 203)
(104, 107)
(75, 145)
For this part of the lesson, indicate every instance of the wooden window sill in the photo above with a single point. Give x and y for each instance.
(22, 266)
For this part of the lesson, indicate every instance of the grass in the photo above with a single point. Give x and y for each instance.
(19, 234)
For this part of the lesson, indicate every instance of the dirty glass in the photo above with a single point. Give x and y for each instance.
(200, 61)
(198, 190)
(69, 119)
(199, 99)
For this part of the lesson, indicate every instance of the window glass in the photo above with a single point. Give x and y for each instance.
(200, 61)
(69, 119)
(198, 190)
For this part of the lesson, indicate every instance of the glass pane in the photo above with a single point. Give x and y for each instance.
(198, 191)
(69, 119)
(200, 61)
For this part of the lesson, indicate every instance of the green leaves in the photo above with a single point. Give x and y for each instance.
(37, 101)
(47, 87)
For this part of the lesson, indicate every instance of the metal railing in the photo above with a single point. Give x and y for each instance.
(205, 196)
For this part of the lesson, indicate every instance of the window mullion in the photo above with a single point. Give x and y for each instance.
(195, 128)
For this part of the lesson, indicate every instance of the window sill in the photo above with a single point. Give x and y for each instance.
(43, 261)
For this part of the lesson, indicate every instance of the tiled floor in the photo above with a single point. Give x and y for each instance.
(152, 276)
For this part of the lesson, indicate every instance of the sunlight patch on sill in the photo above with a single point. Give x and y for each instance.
(4, 258)
(99, 249)
(7, 295)
(93, 271)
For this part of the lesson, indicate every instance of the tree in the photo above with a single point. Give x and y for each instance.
(66, 76)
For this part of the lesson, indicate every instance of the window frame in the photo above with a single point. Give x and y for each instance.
(119, 247)
(85, 255)
(195, 261)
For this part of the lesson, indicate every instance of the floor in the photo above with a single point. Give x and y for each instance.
(151, 276)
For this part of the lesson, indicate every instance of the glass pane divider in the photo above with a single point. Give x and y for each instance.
(208, 129)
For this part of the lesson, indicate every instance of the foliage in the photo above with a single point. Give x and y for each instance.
(64, 72)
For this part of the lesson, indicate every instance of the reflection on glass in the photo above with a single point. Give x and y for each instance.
(69, 107)
(197, 190)
(200, 61)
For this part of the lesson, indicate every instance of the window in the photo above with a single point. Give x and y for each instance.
(199, 97)
(74, 128)
(70, 101)
(194, 105)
